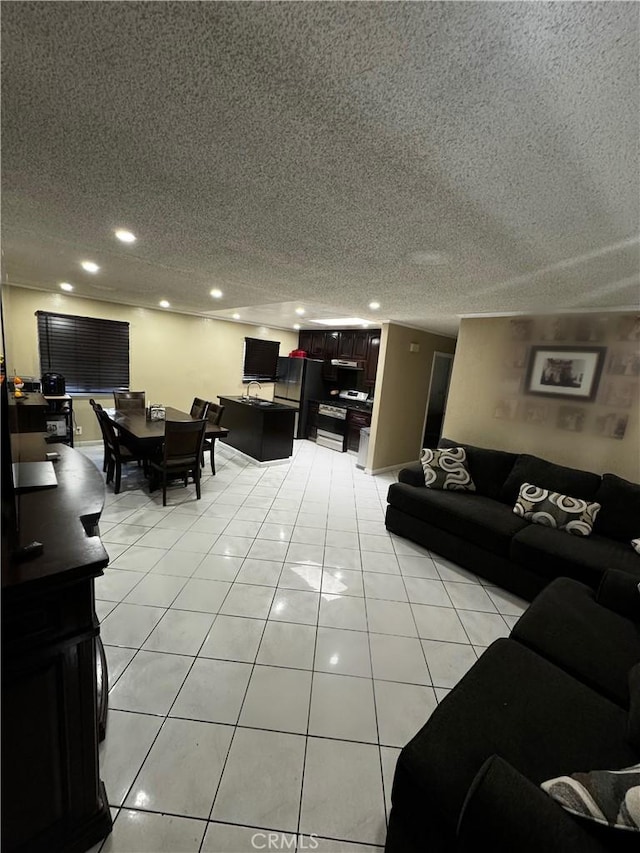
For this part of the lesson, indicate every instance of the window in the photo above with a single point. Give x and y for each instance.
(260, 360)
(91, 354)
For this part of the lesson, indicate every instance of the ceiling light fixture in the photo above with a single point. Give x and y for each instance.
(236, 316)
(89, 266)
(216, 293)
(64, 285)
(296, 325)
(164, 303)
(374, 306)
(341, 321)
(299, 311)
(125, 236)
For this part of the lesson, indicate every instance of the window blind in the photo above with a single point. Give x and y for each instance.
(260, 360)
(91, 354)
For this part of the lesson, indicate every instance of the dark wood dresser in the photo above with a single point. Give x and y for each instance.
(52, 796)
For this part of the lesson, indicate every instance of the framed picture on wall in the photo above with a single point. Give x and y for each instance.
(565, 372)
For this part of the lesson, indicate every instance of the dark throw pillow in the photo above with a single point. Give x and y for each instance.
(609, 797)
(447, 469)
(620, 515)
(552, 509)
(548, 475)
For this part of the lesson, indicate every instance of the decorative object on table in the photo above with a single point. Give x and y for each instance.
(18, 385)
(569, 372)
(156, 412)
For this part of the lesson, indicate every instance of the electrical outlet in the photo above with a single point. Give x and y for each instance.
(78, 430)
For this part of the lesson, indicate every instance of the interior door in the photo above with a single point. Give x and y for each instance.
(437, 401)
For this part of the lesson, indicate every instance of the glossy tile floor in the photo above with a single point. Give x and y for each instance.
(271, 647)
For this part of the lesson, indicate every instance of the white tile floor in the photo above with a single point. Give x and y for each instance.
(271, 647)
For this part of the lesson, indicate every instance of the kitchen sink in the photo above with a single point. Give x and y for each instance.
(256, 401)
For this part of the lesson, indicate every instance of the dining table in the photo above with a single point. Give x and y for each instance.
(147, 434)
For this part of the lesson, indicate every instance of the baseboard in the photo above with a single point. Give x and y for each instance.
(96, 442)
(256, 462)
(374, 471)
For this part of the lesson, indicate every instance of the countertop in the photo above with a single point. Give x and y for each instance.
(259, 405)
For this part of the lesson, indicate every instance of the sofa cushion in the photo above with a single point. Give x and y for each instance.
(547, 475)
(540, 506)
(474, 518)
(619, 517)
(552, 553)
(566, 625)
(515, 704)
(489, 468)
(447, 469)
(633, 730)
(412, 474)
(608, 797)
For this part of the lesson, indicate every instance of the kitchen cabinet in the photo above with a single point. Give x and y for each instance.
(352, 344)
(371, 363)
(360, 345)
(356, 420)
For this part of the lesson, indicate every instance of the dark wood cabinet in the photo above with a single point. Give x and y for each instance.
(360, 345)
(371, 364)
(353, 344)
(356, 420)
(345, 344)
(52, 796)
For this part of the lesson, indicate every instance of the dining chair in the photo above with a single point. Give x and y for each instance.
(181, 454)
(129, 399)
(117, 453)
(199, 408)
(214, 416)
(97, 408)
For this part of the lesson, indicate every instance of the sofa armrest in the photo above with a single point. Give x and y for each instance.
(619, 592)
(412, 475)
(504, 811)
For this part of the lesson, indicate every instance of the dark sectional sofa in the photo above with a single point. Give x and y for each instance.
(479, 530)
(561, 695)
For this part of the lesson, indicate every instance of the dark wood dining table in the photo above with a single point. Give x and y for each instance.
(133, 423)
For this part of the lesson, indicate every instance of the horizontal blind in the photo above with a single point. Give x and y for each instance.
(91, 354)
(260, 360)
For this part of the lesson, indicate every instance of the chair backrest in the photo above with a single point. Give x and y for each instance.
(183, 441)
(95, 406)
(129, 399)
(108, 432)
(199, 408)
(214, 415)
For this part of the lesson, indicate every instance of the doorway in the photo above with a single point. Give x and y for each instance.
(437, 399)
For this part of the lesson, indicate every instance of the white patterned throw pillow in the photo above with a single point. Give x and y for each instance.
(552, 509)
(635, 544)
(609, 797)
(447, 469)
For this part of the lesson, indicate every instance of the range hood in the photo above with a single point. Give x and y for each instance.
(350, 365)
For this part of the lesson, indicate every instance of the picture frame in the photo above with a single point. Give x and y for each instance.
(570, 373)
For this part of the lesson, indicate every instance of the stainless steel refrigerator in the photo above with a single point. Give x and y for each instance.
(299, 381)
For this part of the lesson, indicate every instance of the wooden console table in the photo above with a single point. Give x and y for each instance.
(52, 796)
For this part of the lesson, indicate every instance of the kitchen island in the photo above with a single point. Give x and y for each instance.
(260, 428)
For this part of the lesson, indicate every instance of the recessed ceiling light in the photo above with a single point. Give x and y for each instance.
(296, 325)
(164, 303)
(64, 285)
(89, 266)
(125, 236)
(374, 306)
(365, 325)
(299, 311)
(341, 321)
(216, 293)
(236, 316)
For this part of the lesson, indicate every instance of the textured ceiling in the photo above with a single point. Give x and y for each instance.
(305, 152)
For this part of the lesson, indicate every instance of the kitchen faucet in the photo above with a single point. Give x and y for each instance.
(253, 382)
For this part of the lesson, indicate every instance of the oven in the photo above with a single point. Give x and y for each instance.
(332, 427)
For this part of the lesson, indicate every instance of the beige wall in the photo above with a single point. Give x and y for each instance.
(173, 357)
(402, 387)
(488, 405)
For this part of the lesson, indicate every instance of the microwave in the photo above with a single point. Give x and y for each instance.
(53, 385)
